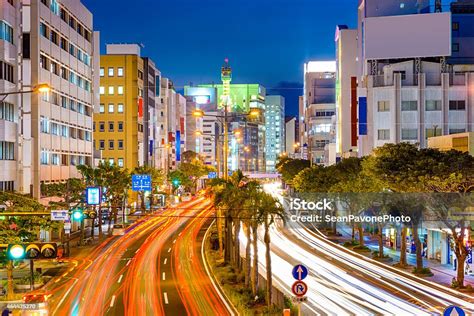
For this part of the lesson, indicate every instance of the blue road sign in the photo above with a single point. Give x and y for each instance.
(212, 175)
(141, 182)
(454, 310)
(300, 272)
(299, 288)
(93, 195)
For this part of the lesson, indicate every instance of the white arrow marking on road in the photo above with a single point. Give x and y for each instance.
(120, 278)
(165, 295)
(112, 302)
(166, 260)
(164, 276)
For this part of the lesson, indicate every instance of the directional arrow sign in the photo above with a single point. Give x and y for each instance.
(300, 272)
(299, 288)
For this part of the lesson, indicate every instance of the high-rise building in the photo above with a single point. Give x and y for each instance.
(318, 108)
(119, 125)
(45, 135)
(417, 84)
(346, 91)
(274, 130)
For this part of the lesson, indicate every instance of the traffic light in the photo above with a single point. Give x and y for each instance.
(32, 251)
(90, 214)
(77, 214)
(176, 182)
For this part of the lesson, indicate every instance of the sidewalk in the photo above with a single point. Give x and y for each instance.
(443, 273)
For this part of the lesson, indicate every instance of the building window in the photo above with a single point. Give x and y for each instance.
(7, 111)
(6, 32)
(409, 134)
(111, 161)
(111, 108)
(44, 157)
(64, 131)
(383, 106)
(111, 71)
(7, 151)
(120, 144)
(120, 126)
(140, 74)
(433, 132)
(433, 105)
(63, 44)
(55, 159)
(102, 72)
(111, 144)
(54, 6)
(63, 14)
(120, 72)
(43, 30)
(456, 130)
(102, 90)
(102, 108)
(101, 126)
(101, 144)
(6, 72)
(111, 90)
(64, 73)
(457, 105)
(54, 37)
(7, 185)
(111, 126)
(72, 50)
(120, 162)
(409, 105)
(383, 134)
(44, 125)
(455, 47)
(120, 108)
(120, 90)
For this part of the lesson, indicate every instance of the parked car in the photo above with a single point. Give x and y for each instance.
(118, 230)
(186, 197)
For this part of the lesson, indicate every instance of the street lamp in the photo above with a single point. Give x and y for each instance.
(198, 113)
(41, 88)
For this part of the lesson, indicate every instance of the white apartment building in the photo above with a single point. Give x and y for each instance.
(346, 92)
(44, 136)
(171, 123)
(274, 130)
(317, 109)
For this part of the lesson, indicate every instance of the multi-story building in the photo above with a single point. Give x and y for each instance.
(418, 84)
(45, 135)
(463, 142)
(171, 122)
(346, 91)
(151, 78)
(274, 130)
(292, 144)
(317, 109)
(119, 125)
(204, 135)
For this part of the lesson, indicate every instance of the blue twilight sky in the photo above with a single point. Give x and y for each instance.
(267, 41)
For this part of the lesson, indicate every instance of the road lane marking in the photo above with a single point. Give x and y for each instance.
(165, 295)
(166, 260)
(128, 262)
(174, 241)
(137, 250)
(169, 250)
(120, 278)
(112, 302)
(164, 276)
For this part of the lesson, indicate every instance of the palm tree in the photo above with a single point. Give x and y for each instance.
(252, 191)
(270, 209)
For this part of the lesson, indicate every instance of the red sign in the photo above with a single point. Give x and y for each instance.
(140, 107)
(299, 288)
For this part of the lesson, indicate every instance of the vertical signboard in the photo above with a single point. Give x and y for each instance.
(178, 146)
(362, 116)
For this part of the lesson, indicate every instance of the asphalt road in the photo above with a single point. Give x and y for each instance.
(138, 273)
